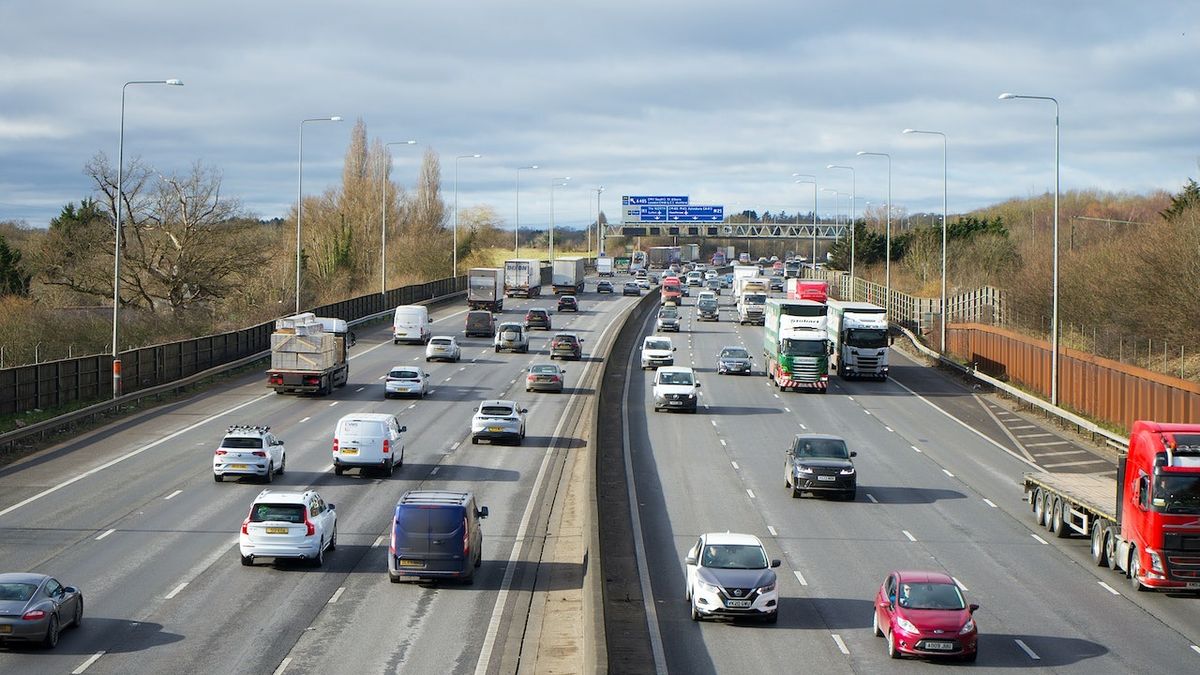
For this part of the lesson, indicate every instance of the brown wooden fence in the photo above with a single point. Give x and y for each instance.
(1103, 389)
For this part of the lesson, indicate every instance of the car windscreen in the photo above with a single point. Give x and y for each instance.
(674, 378)
(242, 443)
(734, 557)
(287, 513)
(830, 448)
(404, 375)
(669, 313)
(930, 596)
(658, 344)
(16, 592)
(496, 411)
(735, 354)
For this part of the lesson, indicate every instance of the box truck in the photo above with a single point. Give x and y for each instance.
(522, 278)
(567, 276)
(485, 288)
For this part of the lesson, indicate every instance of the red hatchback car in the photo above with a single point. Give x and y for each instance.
(924, 614)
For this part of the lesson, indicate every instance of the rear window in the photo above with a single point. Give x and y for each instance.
(544, 370)
(443, 342)
(434, 520)
(496, 410)
(241, 442)
(361, 428)
(287, 513)
(478, 319)
(16, 592)
(404, 374)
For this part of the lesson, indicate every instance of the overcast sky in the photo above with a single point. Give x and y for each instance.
(721, 101)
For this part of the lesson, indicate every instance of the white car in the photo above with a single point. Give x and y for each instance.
(657, 351)
(288, 524)
(730, 575)
(675, 388)
(710, 275)
(368, 441)
(406, 381)
(498, 421)
(443, 348)
(249, 451)
(643, 282)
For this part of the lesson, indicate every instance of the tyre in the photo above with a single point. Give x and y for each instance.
(217, 477)
(1110, 547)
(875, 624)
(892, 650)
(970, 658)
(77, 620)
(318, 560)
(282, 464)
(1039, 506)
(247, 560)
(337, 470)
(695, 612)
(1099, 544)
(772, 618)
(1135, 569)
(391, 466)
(393, 578)
(797, 493)
(497, 350)
(1061, 529)
(850, 495)
(474, 440)
(333, 540)
(270, 477)
(52, 633)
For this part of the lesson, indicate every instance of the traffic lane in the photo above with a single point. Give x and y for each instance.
(686, 486)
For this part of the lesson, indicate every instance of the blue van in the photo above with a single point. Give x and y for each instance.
(436, 534)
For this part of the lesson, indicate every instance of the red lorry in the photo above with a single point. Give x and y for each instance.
(1146, 523)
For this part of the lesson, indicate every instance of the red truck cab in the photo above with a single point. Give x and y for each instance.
(671, 290)
(1158, 505)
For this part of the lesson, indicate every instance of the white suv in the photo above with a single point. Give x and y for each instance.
(675, 388)
(502, 421)
(657, 351)
(288, 524)
(249, 451)
(730, 575)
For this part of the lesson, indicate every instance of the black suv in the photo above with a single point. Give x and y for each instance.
(820, 463)
(537, 318)
(568, 303)
(436, 534)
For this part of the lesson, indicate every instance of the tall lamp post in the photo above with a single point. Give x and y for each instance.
(887, 255)
(553, 185)
(517, 227)
(116, 351)
(809, 178)
(1054, 310)
(454, 256)
(599, 228)
(945, 194)
(851, 215)
(383, 228)
(300, 195)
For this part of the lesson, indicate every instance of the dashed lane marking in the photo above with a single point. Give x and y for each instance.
(172, 495)
(800, 578)
(304, 420)
(359, 389)
(175, 591)
(947, 473)
(1108, 588)
(96, 657)
(840, 645)
(105, 534)
(337, 594)
(750, 492)
(735, 466)
(915, 448)
(333, 403)
(909, 535)
(282, 666)
(1040, 540)
(1028, 651)
(723, 443)
(989, 502)
(1046, 443)
(871, 498)
(772, 531)
(378, 542)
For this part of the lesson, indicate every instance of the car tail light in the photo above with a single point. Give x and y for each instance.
(387, 446)
(221, 452)
(466, 539)
(312, 529)
(531, 377)
(259, 453)
(555, 378)
(34, 615)
(246, 525)
(335, 445)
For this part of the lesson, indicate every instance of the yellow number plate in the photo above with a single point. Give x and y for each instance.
(412, 563)
(277, 530)
(350, 451)
(5, 629)
(238, 466)
(495, 428)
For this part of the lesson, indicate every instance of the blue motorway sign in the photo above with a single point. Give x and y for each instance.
(695, 214)
(654, 201)
(653, 214)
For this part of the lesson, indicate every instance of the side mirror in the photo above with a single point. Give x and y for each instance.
(853, 453)
(524, 410)
(427, 376)
(697, 385)
(330, 506)
(403, 429)
(674, 349)
(775, 563)
(482, 512)
(71, 589)
(353, 339)
(690, 560)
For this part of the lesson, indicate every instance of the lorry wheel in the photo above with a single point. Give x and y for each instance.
(1110, 547)
(1135, 569)
(1099, 544)
(1062, 514)
(1038, 503)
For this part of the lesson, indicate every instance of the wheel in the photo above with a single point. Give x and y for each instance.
(797, 493)
(393, 578)
(270, 477)
(850, 495)
(875, 624)
(1099, 544)
(319, 559)
(217, 477)
(892, 650)
(970, 658)
(337, 470)
(1058, 522)
(426, 359)
(1110, 547)
(497, 350)
(52, 631)
(282, 464)
(1039, 506)
(333, 540)
(474, 440)
(695, 612)
(247, 560)
(77, 620)
(1135, 569)
(772, 618)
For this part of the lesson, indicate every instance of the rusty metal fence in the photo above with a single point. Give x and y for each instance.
(54, 384)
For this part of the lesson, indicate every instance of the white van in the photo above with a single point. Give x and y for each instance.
(368, 441)
(411, 324)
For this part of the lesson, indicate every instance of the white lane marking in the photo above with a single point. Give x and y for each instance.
(1045, 443)
(337, 594)
(850, 398)
(989, 502)
(735, 466)
(378, 542)
(961, 585)
(333, 403)
(302, 421)
(383, 377)
(714, 422)
(723, 443)
(1040, 540)
(800, 578)
(455, 446)
(1195, 648)
(1059, 453)
(175, 591)
(359, 389)
(448, 379)
(1023, 426)
(434, 470)
(772, 531)
(1079, 463)
(416, 358)
(909, 535)
(750, 492)
(787, 409)
(867, 411)
(282, 666)
(776, 395)
(411, 406)
(128, 455)
(1108, 588)
(887, 427)
(1033, 435)
(474, 360)
(871, 498)
(841, 645)
(105, 534)
(804, 427)
(172, 495)
(462, 369)
(947, 473)
(1027, 650)
(87, 664)
(511, 382)
(915, 448)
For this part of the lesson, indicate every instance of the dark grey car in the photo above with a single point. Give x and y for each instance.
(734, 359)
(820, 463)
(436, 534)
(35, 608)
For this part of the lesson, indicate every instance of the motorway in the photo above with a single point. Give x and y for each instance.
(130, 514)
(938, 470)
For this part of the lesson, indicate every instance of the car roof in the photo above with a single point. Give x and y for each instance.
(537, 309)
(565, 297)
(655, 337)
(477, 312)
(514, 324)
(22, 578)
(404, 366)
(924, 577)
(558, 335)
(286, 496)
(718, 538)
(675, 369)
(735, 347)
(822, 436)
(442, 337)
(243, 430)
(511, 404)
(434, 498)
(365, 416)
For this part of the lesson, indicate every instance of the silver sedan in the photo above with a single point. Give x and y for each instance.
(35, 608)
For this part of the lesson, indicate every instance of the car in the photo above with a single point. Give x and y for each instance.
(706, 294)
(734, 359)
(924, 614)
(368, 441)
(727, 280)
(537, 317)
(604, 287)
(480, 323)
(714, 285)
(695, 278)
(775, 284)
(566, 346)
(643, 283)
(819, 463)
(654, 279)
(730, 575)
(668, 319)
(708, 309)
(631, 288)
(710, 275)
(436, 534)
(406, 381)
(639, 274)
(568, 303)
(34, 608)
(544, 377)
(512, 337)
(288, 524)
(249, 451)
(443, 348)
(657, 352)
(498, 421)
(675, 388)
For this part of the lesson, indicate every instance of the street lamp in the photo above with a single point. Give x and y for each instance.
(384, 207)
(553, 185)
(517, 228)
(851, 214)
(454, 267)
(809, 178)
(887, 255)
(599, 229)
(1054, 310)
(945, 193)
(300, 195)
(116, 352)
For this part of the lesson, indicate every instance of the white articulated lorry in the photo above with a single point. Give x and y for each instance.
(567, 276)
(522, 278)
(859, 333)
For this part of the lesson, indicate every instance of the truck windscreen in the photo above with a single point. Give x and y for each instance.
(803, 347)
(756, 299)
(1177, 494)
(867, 338)
(802, 310)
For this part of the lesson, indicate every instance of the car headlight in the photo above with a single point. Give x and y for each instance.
(705, 586)
(906, 625)
(803, 469)
(691, 396)
(767, 588)
(967, 627)
(847, 472)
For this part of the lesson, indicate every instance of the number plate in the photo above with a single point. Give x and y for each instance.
(349, 451)
(5, 629)
(496, 429)
(738, 604)
(674, 402)
(830, 478)
(277, 530)
(238, 466)
(1193, 584)
(939, 646)
(412, 563)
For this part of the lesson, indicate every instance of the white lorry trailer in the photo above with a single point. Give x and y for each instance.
(567, 276)
(522, 278)
(859, 333)
(485, 288)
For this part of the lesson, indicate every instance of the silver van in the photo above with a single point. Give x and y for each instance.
(368, 441)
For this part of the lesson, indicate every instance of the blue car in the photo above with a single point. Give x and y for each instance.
(727, 280)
